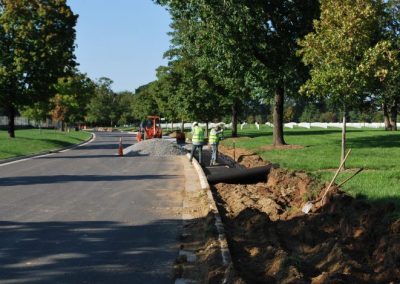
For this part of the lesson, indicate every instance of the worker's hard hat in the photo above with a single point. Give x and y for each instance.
(195, 123)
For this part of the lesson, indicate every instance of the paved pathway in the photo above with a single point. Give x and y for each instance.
(89, 216)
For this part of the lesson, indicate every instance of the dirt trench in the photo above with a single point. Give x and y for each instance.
(345, 240)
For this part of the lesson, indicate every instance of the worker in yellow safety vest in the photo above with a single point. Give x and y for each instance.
(197, 140)
(213, 140)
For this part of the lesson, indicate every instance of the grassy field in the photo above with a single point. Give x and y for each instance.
(377, 151)
(30, 141)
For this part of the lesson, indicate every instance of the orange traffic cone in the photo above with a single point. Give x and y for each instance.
(120, 149)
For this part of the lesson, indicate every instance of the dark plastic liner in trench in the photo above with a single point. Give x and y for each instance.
(238, 175)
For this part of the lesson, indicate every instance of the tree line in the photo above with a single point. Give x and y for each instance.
(230, 55)
(229, 60)
(79, 100)
(38, 69)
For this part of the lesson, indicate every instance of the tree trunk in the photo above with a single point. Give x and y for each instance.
(386, 118)
(278, 139)
(234, 120)
(11, 122)
(343, 139)
(207, 129)
(393, 116)
(183, 126)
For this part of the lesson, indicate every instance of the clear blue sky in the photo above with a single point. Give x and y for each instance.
(123, 40)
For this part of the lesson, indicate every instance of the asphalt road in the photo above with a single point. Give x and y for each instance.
(89, 216)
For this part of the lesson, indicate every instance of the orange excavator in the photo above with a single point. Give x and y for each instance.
(149, 128)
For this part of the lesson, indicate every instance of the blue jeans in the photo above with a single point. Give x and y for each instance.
(199, 147)
(214, 153)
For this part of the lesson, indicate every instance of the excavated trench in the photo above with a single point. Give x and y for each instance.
(346, 240)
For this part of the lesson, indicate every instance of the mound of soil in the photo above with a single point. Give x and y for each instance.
(243, 157)
(346, 240)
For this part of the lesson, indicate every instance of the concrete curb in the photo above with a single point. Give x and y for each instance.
(27, 157)
(203, 179)
(225, 254)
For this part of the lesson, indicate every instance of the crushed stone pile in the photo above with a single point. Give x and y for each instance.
(155, 147)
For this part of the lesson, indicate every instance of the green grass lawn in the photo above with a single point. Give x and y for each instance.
(377, 151)
(31, 141)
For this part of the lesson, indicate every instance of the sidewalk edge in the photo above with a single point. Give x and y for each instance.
(225, 253)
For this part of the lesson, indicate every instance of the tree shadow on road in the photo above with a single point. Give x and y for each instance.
(77, 157)
(32, 180)
(104, 146)
(87, 252)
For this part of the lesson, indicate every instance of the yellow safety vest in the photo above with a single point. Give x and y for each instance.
(198, 135)
(213, 138)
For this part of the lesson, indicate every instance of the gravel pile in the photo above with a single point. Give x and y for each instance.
(155, 147)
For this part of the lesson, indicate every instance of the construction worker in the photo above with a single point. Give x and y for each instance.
(197, 140)
(215, 136)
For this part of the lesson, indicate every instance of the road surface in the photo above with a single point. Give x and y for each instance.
(89, 216)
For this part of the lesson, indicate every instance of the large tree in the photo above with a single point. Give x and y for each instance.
(197, 39)
(187, 93)
(37, 47)
(388, 86)
(104, 107)
(73, 94)
(125, 100)
(144, 102)
(168, 99)
(344, 52)
(245, 45)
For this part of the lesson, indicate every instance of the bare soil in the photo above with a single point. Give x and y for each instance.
(243, 156)
(271, 240)
(201, 238)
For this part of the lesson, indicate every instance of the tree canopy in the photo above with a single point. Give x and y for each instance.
(346, 52)
(144, 102)
(36, 47)
(244, 45)
(73, 94)
(104, 108)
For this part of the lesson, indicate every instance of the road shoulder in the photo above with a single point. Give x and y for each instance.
(203, 257)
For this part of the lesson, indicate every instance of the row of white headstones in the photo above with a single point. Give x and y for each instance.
(374, 125)
(243, 125)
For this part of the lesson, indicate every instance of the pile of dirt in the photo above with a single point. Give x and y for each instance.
(242, 156)
(281, 197)
(346, 240)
